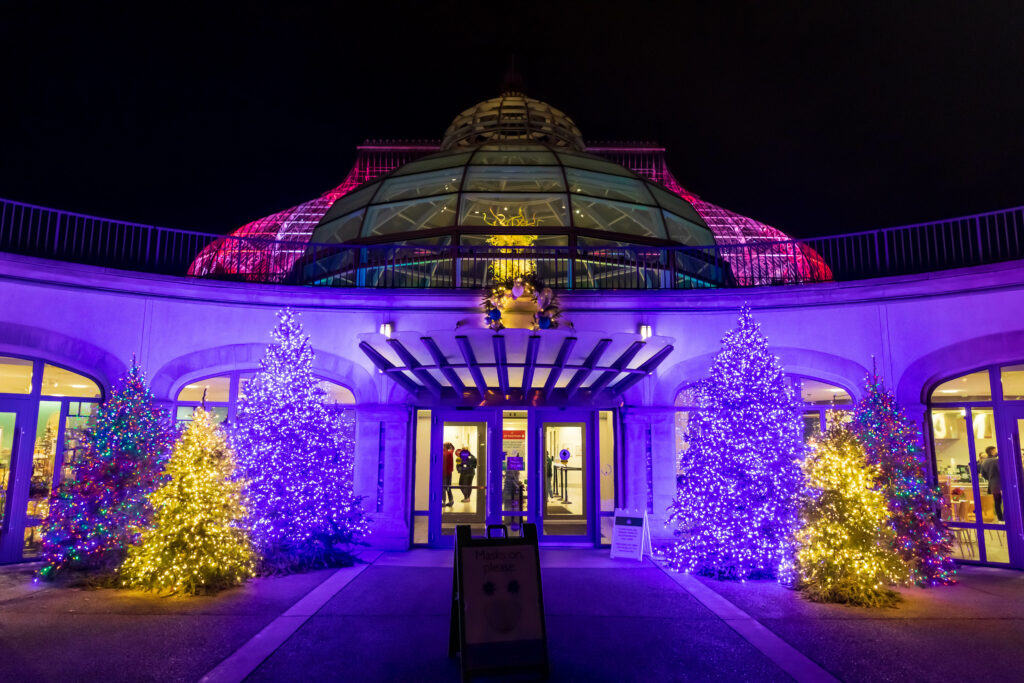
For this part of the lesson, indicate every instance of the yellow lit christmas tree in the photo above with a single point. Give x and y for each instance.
(845, 552)
(196, 542)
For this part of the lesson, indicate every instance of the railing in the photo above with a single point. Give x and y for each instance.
(972, 240)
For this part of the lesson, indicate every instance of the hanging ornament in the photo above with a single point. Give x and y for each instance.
(518, 289)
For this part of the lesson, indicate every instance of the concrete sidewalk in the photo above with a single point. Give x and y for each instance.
(607, 620)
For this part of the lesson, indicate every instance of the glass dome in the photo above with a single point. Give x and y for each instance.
(466, 196)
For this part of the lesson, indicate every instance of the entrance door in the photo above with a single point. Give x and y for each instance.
(566, 444)
(461, 453)
(15, 472)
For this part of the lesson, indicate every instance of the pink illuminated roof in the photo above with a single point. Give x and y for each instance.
(266, 249)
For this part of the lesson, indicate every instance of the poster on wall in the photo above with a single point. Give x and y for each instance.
(513, 442)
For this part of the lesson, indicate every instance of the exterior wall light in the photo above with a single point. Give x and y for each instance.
(385, 329)
(646, 332)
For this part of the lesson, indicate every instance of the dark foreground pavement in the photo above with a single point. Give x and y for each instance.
(607, 621)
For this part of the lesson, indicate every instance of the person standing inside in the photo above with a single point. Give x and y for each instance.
(467, 469)
(449, 467)
(989, 468)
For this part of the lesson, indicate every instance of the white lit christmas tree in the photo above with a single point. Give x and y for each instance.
(197, 542)
(737, 507)
(297, 459)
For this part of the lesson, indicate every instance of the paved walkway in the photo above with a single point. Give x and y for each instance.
(607, 620)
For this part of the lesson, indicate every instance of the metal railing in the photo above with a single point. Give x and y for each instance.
(971, 240)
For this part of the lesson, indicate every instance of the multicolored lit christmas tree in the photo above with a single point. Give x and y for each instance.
(95, 515)
(737, 507)
(196, 542)
(297, 459)
(845, 546)
(893, 444)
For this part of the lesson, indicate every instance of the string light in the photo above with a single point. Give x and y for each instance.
(736, 511)
(196, 542)
(845, 546)
(96, 513)
(892, 443)
(297, 459)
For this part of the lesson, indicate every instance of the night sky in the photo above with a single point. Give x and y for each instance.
(815, 119)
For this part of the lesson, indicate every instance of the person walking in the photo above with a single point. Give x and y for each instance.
(989, 469)
(467, 470)
(449, 467)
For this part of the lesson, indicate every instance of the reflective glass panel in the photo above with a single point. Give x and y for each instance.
(464, 464)
(675, 204)
(988, 465)
(518, 210)
(565, 475)
(972, 387)
(419, 214)
(629, 219)
(337, 393)
(420, 185)
(953, 464)
(514, 179)
(812, 426)
(61, 382)
(15, 375)
(965, 543)
(1013, 382)
(510, 156)
(686, 232)
(350, 202)
(340, 230)
(817, 393)
(217, 389)
(608, 186)
(81, 416)
(606, 458)
(421, 493)
(515, 460)
(7, 427)
(433, 162)
(44, 459)
(594, 163)
(996, 549)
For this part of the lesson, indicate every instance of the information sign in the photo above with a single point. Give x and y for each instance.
(497, 620)
(514, 463)
(631, 534)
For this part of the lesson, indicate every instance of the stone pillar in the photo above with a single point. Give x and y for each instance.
(382, 472)
(648, 479)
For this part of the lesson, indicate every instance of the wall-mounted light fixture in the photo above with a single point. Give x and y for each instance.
(646, 332)
(385, 329)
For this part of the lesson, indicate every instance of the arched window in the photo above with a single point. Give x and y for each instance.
(223, 391)
(966, 415)
(62, 403)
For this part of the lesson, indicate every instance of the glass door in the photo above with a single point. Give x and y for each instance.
(461, 489)
(1012, 488)
(15, 471)
(565, 449)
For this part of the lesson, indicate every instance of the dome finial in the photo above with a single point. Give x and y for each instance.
(512, 84)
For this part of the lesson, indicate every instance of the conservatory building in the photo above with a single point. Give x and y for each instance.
(511, 321)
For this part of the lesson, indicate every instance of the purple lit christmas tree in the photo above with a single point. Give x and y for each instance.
(738, 504)
(96, 514)
(297, 461)
(893, 445)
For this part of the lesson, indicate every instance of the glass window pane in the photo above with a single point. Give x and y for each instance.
(989, 467)
(996, 549)
(7, 425)
(419, 214)
(565, 471)
(217, 389)
(517, 210)
(514, 179)
(421, 496)
(526, 155)
(675, 204)
(444, 181)
(81, 417)
(15, 375)
(61, 382)
(953, 464)
(433, 162)
(350, 202)
(606, 455)
(608, 186)
(242, 379)
(817, 393)
(628, 219)
(515, 463)
(340, 230)
(686, 232)
(337, 393)
(1013, 382)
(594, 163)
(464, 501)
(44, 458)
(965, 543)
(972, 387)
(812, 427)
